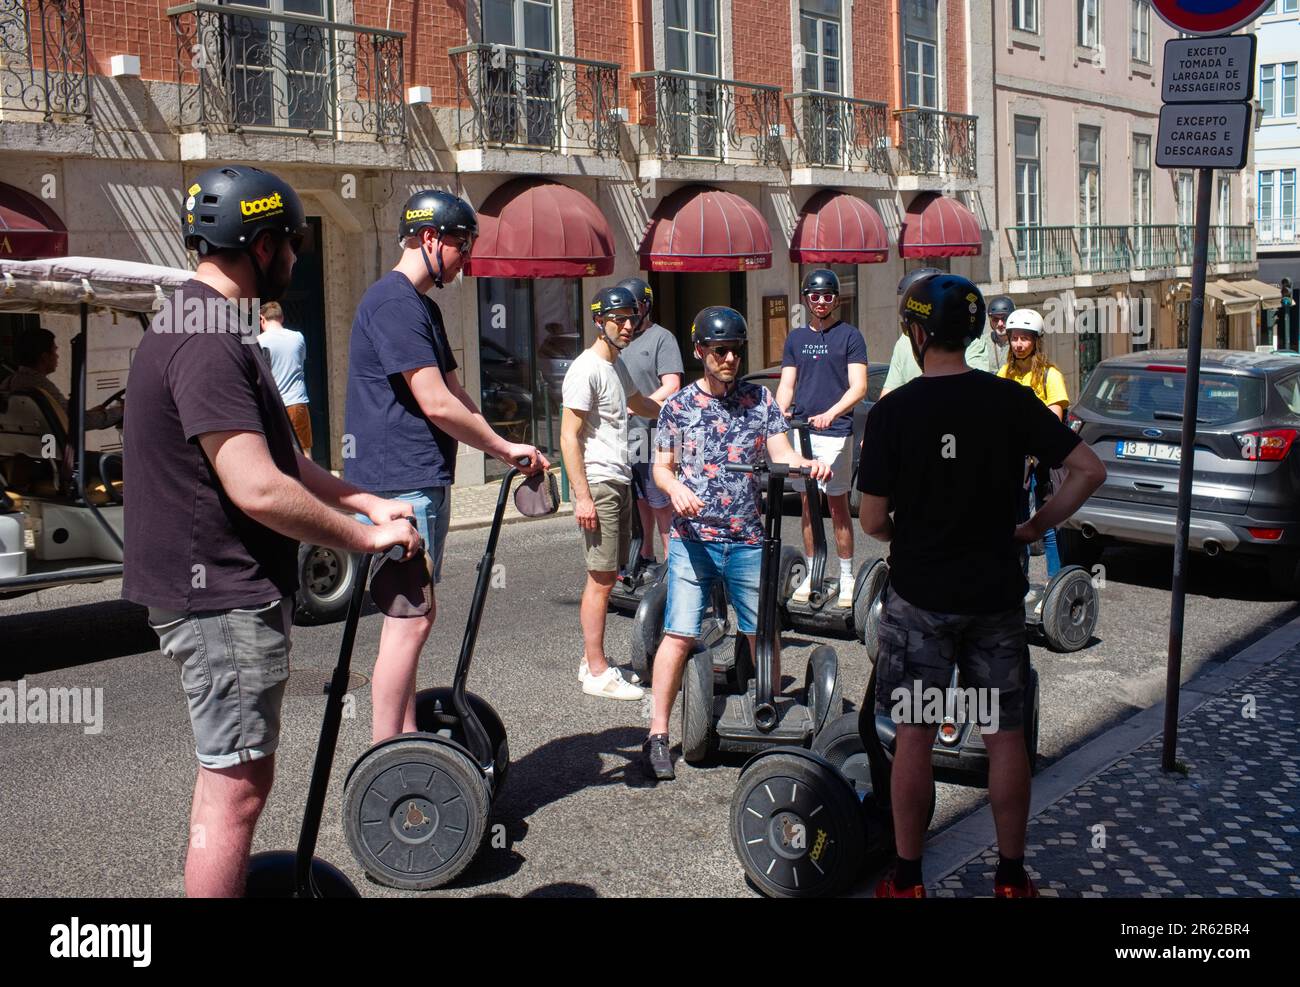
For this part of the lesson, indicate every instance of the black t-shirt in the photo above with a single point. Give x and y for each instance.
(949, 453)
(195, 373)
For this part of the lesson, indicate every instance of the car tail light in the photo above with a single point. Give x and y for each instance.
(1074, 421)
(1268, 445)
(1265, 534)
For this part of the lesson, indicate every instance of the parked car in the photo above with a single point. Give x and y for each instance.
(771, 377)
(1246, 478)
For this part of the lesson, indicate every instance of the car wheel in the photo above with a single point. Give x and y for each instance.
(325, 577)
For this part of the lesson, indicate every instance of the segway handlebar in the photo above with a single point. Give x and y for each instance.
(780, 469)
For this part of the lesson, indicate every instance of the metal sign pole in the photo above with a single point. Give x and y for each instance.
(1187, 454)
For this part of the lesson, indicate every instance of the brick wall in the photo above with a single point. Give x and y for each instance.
(762, 50)
(955, 70)
(875, 59)
(602, 29)
(128, 27)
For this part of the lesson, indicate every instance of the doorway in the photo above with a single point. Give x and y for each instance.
(680, 297)
(304, 310)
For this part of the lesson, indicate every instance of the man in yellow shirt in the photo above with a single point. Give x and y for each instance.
(1029, 366)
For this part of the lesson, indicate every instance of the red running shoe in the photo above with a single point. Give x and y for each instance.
(887, 889)
(1026, 890)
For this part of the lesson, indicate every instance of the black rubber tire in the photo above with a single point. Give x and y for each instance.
(463, 813)
(775, 834)
(648, 630)
(742, 669)
(1074, 549)
(790, 574)
(1031, 720)
(841, 744)
(433, 714)
(325, 577)
(823, 708)
(1070, 610)
(870, 584)
(271, 875)
(697, 707)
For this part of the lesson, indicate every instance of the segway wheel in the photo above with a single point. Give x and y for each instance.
(840, 742)
(797, 827)
(791, 573)
(414, 813)
(1031, 720)
(869, 603)
(1070, 608)
(434, 713)
(822, 688)
(648, 630)
(697, 707)
(742, 667)
(271, 875)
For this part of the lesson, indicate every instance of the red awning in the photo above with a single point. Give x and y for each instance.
(534, 228)
(838, 228)
(29, 229)
(698, 228)
(936, 226)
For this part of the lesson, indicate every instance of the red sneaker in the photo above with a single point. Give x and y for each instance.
(1026, 890)
(887, 889)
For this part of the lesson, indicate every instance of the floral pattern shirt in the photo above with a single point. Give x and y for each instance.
(706, 432)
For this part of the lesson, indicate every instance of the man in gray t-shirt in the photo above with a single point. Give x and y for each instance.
(654, 362)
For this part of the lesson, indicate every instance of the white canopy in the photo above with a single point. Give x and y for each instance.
(62, 284)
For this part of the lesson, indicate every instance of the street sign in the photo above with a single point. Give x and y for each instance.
(1203, 135)
(1213, 69)
(1209, 16)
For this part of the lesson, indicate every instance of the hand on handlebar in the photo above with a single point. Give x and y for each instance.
(527, 459)
(821, 422)
(397, 532)
(817, 470)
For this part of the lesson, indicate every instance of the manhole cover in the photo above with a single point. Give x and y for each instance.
(315, 681)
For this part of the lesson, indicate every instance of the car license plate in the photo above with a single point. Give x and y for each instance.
(1156, 452)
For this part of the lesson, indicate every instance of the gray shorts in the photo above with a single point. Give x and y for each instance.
(606, 547)
(234, 665)
(918, 649)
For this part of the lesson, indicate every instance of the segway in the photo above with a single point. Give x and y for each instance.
(415, 806)
(639, 574)
(821, 612)
(648, 631)
(1065, 611)
(289, 874)
(754, 719)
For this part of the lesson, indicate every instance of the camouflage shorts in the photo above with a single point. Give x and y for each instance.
(918, 649)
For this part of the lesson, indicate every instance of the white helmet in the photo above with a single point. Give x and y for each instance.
(1026, 320)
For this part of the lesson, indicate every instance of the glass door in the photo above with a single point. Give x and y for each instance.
(279, 72)
(523, 92)
(694, 107)
(823, 120)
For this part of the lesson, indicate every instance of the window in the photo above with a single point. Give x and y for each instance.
(1140, 31)
(1089, 176)
(820, 30)
(1225, 201)
(1265, 205)
(921, 52)
(1185, 193)
(1028, 208)
(1087, 23)
(1267, 75)
(522, 91)
(1288, 89)
(1286, 198)
(1142, 243)
(1024, 15)
(691, 29)
(281, 70)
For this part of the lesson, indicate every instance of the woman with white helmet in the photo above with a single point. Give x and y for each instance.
(1028, 364)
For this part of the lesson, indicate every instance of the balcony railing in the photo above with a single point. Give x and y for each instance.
(1279, 230)
(1103, 249)
(1156, 246)
(932, 142)
(43, 67)
(840, 132)
(698, 116)
(248, 70)
(515, 97)
(1232, 244)
(1042, 251)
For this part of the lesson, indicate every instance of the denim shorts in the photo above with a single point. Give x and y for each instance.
(432, 508)
(693, 569)
(234, 665)
(655, 497)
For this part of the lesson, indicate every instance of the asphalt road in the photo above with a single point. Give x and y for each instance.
(107, 813)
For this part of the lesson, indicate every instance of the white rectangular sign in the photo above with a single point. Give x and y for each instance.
(1208, 70)
(1203, 135)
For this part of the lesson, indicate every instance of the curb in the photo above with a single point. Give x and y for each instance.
(512, 517)
(959, 844)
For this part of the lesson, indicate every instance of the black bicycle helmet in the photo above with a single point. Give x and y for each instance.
(821, 281)
(1002, 305)
(227, 208)
(719, 324)
(948, 308)
(609, 300)
(912, 277)
(641, 291)
(443, 212)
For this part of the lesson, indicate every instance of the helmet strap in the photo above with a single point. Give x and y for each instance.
(435, 276)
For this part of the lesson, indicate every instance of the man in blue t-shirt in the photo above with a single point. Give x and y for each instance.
(823, 377)
(406, 410)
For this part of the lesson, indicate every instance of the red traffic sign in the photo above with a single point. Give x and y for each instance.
(1209, 16)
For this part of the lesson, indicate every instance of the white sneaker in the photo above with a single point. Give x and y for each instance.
(611, 685)
(628, 674)
(846, 592)
(803, 591)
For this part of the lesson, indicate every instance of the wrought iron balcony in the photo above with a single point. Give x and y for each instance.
(43, 66)
(1103, 249)
(1155, 246)
(932, 142)
(699, 116)
(840, 132)
(1232, 244)
(516, 97)
(1042, 251)
(243, 69)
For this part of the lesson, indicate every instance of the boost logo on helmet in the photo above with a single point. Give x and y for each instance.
(261, 207)
(921, 308)
(418, 214)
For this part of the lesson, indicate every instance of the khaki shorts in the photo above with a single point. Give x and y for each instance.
(607, 546)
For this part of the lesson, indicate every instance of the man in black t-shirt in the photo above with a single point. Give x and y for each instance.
(956, 592)
(219, 500)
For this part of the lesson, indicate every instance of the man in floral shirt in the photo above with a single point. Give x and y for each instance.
(717, 528)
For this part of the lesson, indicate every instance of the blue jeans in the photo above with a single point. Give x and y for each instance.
(1050, 552)
(693, 569)
(432, 509)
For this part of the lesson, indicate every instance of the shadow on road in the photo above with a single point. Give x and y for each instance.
(1225, 577)
(49, 640)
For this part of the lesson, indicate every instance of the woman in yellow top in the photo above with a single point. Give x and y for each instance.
(1027, 364)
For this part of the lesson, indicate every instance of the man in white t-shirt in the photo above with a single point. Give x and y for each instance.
(287, 352)
(593, 440)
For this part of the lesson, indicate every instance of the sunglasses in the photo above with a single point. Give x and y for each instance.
(464, 244)
(619, 319)
(724, 350)
(817, 298)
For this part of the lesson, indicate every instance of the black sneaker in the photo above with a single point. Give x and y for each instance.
(658, 760)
